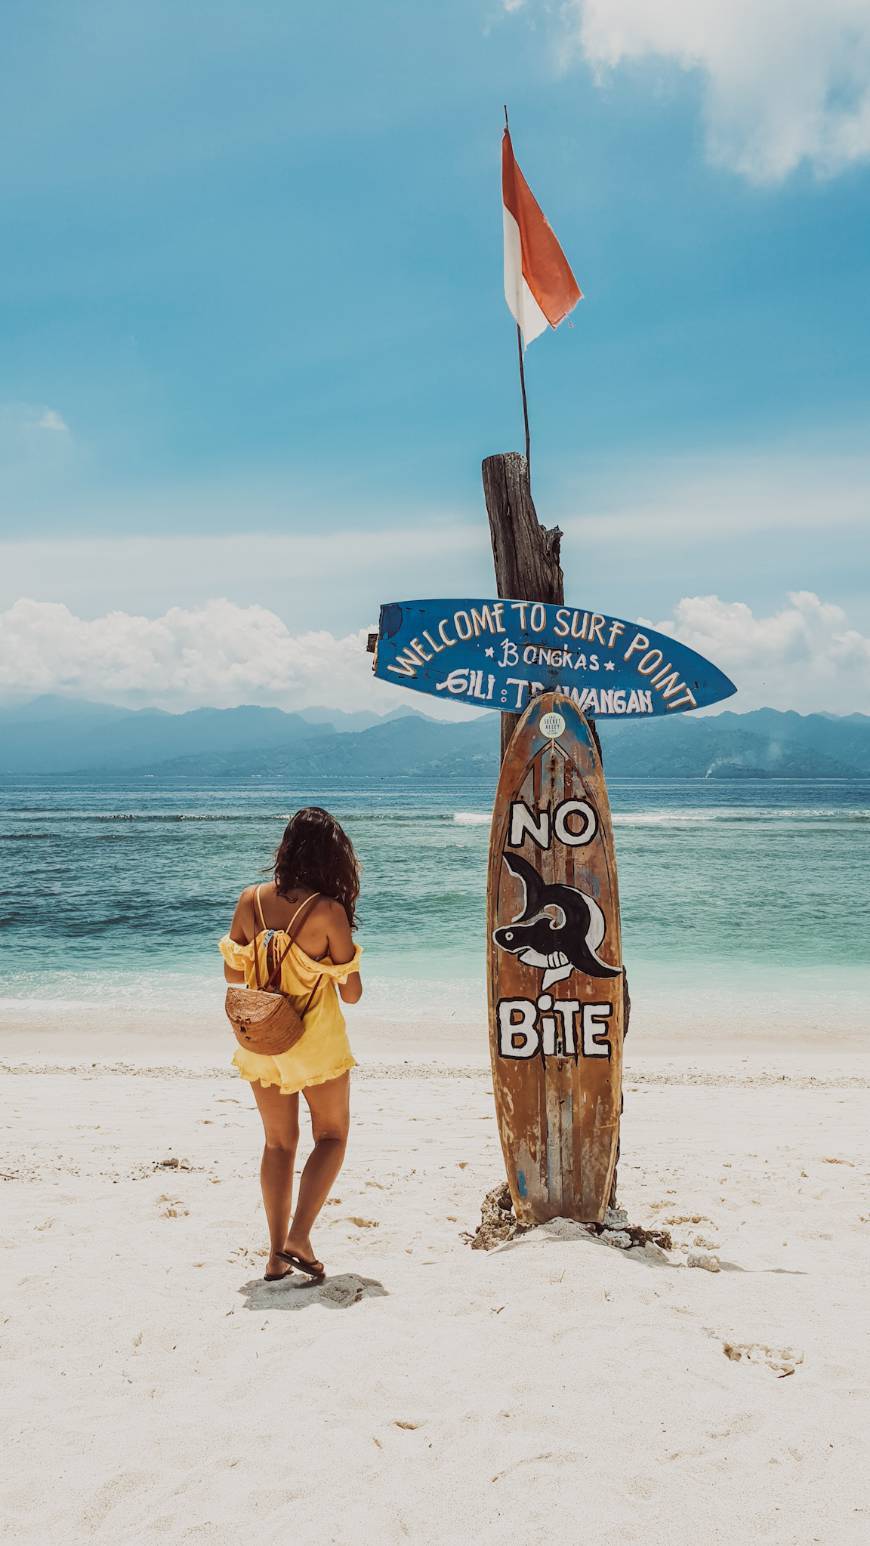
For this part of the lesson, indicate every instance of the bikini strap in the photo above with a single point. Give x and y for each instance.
(304, 903)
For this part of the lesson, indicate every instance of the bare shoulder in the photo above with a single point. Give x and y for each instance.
(334, 921)
(244, 927)
(331, 912)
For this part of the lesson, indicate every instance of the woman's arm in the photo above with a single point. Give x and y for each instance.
(241, 930)
(341, 950)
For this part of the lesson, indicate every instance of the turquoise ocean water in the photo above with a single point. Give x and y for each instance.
(108, 889)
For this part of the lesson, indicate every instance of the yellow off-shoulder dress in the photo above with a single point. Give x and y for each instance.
(324, 1051)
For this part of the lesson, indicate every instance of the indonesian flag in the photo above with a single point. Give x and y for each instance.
(539, 287)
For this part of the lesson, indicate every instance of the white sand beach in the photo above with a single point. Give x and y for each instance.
(157, 1390)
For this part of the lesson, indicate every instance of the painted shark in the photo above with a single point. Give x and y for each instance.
(540, 939)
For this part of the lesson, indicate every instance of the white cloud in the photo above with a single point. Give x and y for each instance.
(19, 420)
(784, 81)
(219, 654)
(50, 419)
(803, 657)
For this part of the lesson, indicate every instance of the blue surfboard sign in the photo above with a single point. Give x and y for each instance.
(500, 654)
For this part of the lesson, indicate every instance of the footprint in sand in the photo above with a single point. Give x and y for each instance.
(363, 1223)
(173, 1207)
(781, 1360)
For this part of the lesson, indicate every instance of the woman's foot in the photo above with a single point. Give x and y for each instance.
(276, 1268)
(300, 1251)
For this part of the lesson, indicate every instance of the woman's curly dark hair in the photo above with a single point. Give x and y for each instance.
(316, 855)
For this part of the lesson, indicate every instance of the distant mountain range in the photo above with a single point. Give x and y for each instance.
(65, 735)
(60, 736)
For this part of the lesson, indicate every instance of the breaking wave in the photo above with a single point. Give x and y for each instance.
(801, 815)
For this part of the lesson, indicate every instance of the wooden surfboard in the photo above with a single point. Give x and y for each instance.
(554, 968)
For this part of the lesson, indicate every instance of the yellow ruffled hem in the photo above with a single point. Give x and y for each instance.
(307, 1084)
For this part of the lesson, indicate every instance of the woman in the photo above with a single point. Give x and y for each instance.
(314, 896)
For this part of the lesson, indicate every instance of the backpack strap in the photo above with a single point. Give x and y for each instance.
(275, 974)
(258, 908)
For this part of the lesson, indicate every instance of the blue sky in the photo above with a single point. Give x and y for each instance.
(251, 286)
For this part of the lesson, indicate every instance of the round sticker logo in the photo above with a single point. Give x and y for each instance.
(552, 725)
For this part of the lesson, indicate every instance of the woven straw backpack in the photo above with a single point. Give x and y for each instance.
(263, 1018)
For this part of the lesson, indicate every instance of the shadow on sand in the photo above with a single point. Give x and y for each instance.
(296, 1292)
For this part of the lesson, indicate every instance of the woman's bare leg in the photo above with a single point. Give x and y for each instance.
(329, 1105)
(280, 1114)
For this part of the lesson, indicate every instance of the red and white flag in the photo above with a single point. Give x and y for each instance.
(539, 286)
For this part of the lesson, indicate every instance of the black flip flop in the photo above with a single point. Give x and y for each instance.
(315, 1270)
(277, 1277)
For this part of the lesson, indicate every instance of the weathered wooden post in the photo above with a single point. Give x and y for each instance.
(527, 560)
(525, 553)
